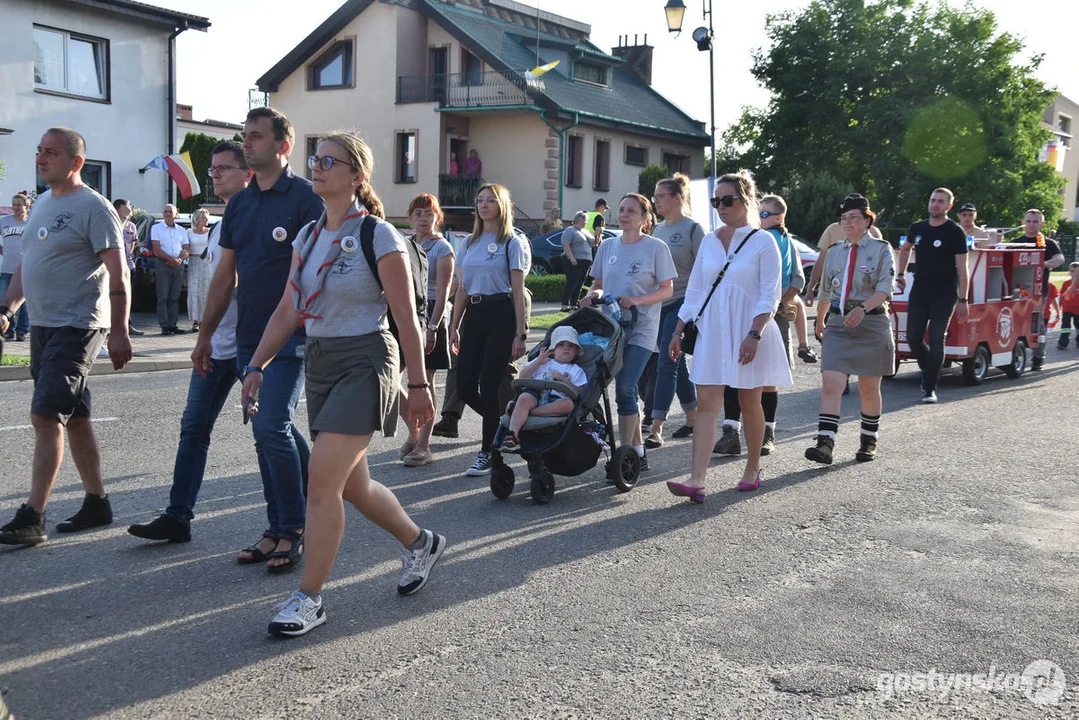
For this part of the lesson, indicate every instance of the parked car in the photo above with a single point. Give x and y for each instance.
(143, 288)
(547, 251)
(807, 254)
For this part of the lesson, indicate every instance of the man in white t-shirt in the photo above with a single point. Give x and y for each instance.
(206, 396)
(170, 246)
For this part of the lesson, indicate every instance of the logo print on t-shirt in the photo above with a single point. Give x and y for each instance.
(634, 267)
(61, 221)
(917, 239)
(341, 267)
(676, 239)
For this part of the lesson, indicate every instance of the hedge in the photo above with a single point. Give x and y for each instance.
(546, 288)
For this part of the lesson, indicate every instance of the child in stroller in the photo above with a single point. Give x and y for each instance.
(569, 443)
(554, 362)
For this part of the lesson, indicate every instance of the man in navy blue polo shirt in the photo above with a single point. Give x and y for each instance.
(257, 231)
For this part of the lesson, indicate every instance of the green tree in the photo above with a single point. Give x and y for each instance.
(201, 147)
(891, 99)
(649, 176)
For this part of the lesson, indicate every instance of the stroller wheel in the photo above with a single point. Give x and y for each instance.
(502, 481)
(625, 468)
(543, 488)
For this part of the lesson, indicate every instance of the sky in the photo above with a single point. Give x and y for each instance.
(215, 69)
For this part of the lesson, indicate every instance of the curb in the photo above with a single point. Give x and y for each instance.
(137, 365)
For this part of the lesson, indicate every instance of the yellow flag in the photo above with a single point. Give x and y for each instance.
(540, 69)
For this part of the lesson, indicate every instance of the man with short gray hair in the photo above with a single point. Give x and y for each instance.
(171, 248)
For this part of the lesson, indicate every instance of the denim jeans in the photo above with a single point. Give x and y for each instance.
(671, 377)
(205, 398)
(283, 454)
(22, 318)
(634, 358)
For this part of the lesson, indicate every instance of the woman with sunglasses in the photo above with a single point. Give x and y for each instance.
(857, 280)
(738, 344)
(683, 236)
(637, 269)
(425, 214)
(352, 371)
(490, 324)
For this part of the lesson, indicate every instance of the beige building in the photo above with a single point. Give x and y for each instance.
(450, 78)
(1060, 117)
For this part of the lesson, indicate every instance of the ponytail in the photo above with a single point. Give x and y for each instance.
(366, 195)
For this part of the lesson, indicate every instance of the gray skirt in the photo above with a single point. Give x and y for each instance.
(868, 349)
(353, 384)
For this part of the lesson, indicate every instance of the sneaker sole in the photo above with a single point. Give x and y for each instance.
(282, 632)
(64, 528)
(436, 553)
(24, 543)
(477, 473)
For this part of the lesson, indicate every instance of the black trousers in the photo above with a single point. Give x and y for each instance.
(575, 277)
(487, 332)
(934, 311)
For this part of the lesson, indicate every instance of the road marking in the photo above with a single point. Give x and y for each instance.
(29, 427)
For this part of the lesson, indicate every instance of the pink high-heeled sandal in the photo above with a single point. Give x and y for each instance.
(695, 494)
(744, 486)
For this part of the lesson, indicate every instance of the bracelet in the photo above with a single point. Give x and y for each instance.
(964, 300)
(251, 369)
(864, 308)
(419, 386)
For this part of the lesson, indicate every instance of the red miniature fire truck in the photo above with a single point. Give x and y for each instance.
(1005, 303)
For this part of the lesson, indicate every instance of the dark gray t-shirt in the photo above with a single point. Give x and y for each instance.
(485, 265)
(635, 269)
(351, 302)
(11, 240)
(579, 243)
(63, 278)
(683, 238)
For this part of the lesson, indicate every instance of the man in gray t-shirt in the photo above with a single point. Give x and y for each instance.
(11, 230)
(75, 278)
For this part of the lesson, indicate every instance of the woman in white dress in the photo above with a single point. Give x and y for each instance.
(738, 344)
(199, 270)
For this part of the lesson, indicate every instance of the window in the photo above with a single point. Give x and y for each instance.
(1064, 124)
(333, 69)
(636, 155)
(676, 163)
(471, 69)
(96, 174)
(72, 64)
(574, 160)
(590, 73)
(405, 154)
(601, 178)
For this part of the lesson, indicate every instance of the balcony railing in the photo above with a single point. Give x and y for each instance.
(465, 90)
(458, 190)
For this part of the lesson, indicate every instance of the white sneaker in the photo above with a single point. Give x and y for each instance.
(930, 397)
(297, 616)
(416, 564)
(481, 467)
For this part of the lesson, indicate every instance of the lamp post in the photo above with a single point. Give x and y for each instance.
(675, 11)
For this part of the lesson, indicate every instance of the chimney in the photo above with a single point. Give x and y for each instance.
(183, 112)
(638, 57)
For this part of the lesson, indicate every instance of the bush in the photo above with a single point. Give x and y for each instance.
(647, 178)
(546, 288)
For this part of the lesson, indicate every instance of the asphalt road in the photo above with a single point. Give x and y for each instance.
(831, 592)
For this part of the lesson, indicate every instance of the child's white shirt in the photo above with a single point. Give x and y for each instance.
(575, 373)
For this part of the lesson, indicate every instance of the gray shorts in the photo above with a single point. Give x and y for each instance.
(353, 384)
(60, 361)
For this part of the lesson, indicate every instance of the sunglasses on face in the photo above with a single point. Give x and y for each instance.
(725, 201)
(765, 214)
(325, 164)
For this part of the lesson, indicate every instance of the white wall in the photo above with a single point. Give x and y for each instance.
(127, 132)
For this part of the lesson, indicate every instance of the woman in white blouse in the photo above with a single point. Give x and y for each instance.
(199, 271)
(738, 345)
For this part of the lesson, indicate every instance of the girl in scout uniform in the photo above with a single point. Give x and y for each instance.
(854, 327)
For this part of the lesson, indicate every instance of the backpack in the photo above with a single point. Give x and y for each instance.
(417, 263)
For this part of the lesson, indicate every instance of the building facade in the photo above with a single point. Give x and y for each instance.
(450, 78)
(101, 67)
(1060, 118)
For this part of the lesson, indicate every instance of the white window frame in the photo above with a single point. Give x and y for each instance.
(64, 87)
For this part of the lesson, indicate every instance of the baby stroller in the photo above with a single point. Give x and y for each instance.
(569, 445)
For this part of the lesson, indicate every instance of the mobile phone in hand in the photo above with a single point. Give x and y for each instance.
(251, 402)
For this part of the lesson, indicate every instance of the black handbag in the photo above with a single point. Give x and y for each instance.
(690, 331)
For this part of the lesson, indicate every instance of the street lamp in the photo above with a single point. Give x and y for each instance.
(675, 10)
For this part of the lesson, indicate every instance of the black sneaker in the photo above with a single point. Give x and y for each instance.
(930, 397)
(1036, 363)
(177, 330)
(446, 427)
(95, 512)
(166, 330)
(165, 527)
(28, 528)
(644, 463)
(134, 331)
(683, 432)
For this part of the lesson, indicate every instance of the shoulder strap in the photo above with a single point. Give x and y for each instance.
(723, 272)
(367, 243)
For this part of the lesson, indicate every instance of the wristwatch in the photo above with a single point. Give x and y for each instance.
(251, 369)
(754, 334)
(523, 336)
(964, 300)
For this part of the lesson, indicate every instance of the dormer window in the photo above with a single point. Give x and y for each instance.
(333, 69)
(591, 73)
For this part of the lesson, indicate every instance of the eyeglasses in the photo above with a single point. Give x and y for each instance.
(423, 214)
(325, 164)
(657, 196)
(851, 218)
(765, 214)
(725, 201)
(219, 169)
